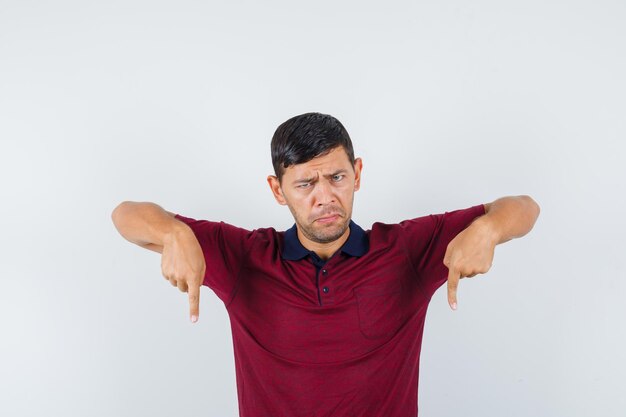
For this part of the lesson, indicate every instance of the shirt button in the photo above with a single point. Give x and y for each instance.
(324, 271)
(325, 289)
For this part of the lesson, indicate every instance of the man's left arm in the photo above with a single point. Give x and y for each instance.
(471, 251)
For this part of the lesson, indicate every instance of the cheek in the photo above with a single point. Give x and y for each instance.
(346, 193)
(302, 206)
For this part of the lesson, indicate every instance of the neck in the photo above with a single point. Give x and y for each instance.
(324, 250)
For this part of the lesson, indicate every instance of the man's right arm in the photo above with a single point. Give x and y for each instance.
(150, 226)
(146, 224)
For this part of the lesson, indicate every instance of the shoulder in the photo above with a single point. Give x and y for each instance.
(414, 224)
(225, 230)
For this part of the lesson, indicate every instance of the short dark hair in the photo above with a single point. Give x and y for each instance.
(306, 136)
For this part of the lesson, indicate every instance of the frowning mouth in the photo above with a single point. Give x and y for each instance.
(328, 219)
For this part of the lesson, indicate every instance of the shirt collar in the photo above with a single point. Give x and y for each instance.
(356, 245)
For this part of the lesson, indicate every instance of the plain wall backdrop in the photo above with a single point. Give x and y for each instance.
(449, 103)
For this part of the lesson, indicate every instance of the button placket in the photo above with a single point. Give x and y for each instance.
(325, 296)
(325, 289)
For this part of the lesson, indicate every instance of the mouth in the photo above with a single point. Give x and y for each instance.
(328, 219)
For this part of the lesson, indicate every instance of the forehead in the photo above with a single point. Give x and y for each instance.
(334, 160)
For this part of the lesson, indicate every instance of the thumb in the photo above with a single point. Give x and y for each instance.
(194, 302)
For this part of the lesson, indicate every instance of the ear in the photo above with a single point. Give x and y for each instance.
(358, 166)
(274, 184)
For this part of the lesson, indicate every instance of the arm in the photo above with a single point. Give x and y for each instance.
(509, 217)
(182, 262)
(145, 224)
(471, 251)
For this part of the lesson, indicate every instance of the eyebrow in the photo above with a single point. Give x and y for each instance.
(340, 171)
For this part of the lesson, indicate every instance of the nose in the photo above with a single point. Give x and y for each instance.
(324, 193)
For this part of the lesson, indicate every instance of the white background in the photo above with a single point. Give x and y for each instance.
(449, 103)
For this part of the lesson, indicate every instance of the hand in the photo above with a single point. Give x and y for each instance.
(469, 253)
(183, 264)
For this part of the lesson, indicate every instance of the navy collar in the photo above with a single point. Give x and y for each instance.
(356, 245)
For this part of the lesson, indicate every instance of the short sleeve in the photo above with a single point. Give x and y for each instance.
(426, 239)
(225, 248)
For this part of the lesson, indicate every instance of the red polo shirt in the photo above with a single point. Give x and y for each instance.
(340, 338)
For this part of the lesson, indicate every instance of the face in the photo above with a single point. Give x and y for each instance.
(317, 189)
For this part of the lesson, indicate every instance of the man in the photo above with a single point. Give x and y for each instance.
(327, 318)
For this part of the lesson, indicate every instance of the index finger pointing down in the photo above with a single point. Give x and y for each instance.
(194, 302)
(453, 282)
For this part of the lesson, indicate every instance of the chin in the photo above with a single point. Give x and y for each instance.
(334, 229)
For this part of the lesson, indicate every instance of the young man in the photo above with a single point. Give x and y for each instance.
(327, 318)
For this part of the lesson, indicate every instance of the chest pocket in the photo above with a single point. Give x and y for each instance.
(381, 308)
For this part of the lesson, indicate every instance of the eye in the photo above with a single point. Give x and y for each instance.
(303, 185)
(339, 175)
